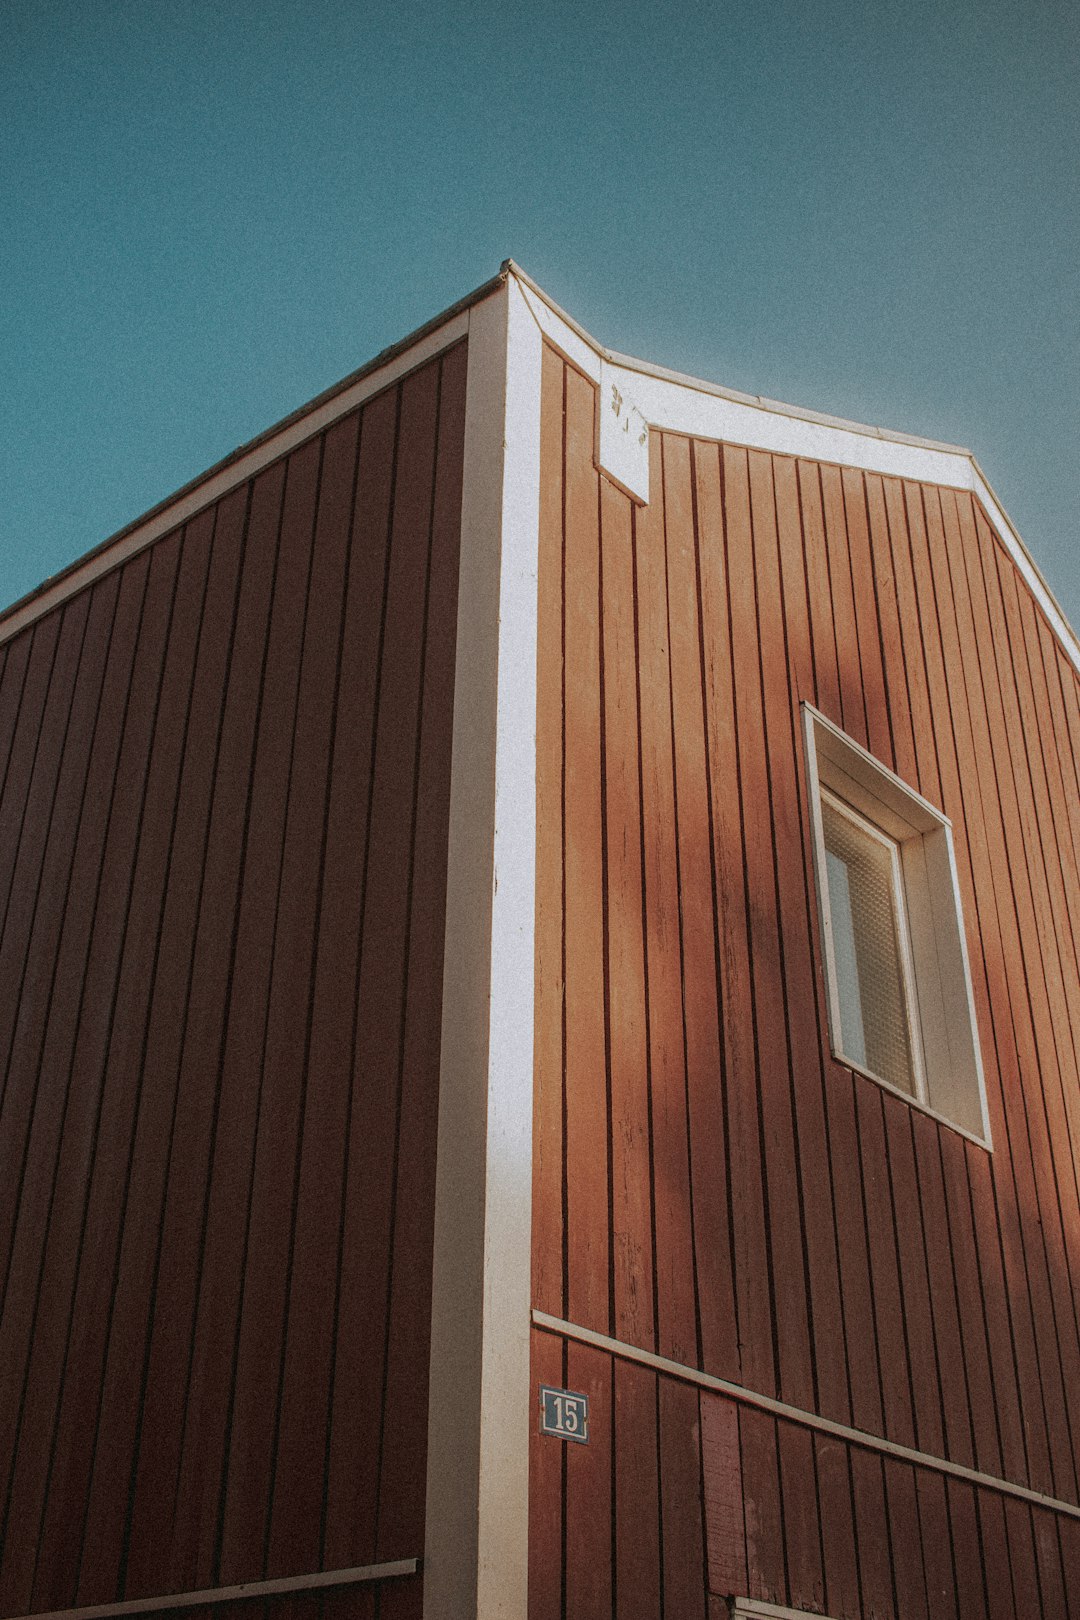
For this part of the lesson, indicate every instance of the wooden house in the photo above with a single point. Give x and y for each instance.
(539, 920)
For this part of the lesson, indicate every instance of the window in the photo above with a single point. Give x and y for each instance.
(896, 970)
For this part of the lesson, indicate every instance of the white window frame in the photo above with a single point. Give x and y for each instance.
(905, 955)
(947, 1065)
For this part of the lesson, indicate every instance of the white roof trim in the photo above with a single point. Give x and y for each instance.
(209, 487)
(667, 399)
(703, 410)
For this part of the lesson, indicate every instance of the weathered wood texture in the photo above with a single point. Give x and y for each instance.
(710, 1184)
(684, 1496)
(223, 835)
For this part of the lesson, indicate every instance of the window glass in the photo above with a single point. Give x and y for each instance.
(863, 878)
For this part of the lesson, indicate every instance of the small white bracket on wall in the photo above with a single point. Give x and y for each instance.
(622, 449)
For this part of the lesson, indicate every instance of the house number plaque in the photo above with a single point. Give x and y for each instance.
(622, 438)
(564, 1414)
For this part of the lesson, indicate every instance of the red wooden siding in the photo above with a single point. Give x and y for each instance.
(710, 1184)
(223, 834)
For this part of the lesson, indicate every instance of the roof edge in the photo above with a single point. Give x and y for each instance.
(700, 385)
(21, 611)
(384, 358)
(979, 483)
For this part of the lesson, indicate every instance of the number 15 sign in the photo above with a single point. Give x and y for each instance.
(564, 1414)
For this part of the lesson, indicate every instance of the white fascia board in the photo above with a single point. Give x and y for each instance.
(683, 405)
(476, 1549)
(681, 409)
(701, 410)
(1025, 563)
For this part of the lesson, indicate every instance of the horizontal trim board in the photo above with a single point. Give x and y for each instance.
(796, 1414)
(283, 1586)
(236, 469)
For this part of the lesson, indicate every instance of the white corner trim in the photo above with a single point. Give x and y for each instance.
(476, 1551)
(586, 354)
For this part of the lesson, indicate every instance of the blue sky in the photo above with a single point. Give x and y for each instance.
(213, 211)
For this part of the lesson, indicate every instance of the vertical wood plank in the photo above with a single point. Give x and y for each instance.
(677, 1333)
(12, 685)
(803, 1527)
(995, 1404)
(958, 1352)
(631, 1144)
(548, 1262)
(586, 1102)
(913, 623)
(837, 1510)
(637, 1492)
(765, 1362)
(588, 1510)
(705, 1100)
(356, 1365)
(1069, 1537)
(852, 704)
(1048, 1561)
(874, 1534)
(823, 678)
(882, 1219)
(721, 1464)
(680, 1499)
(717, 514)
(757, 630)
(909, 1576)
(890, 633)
(967, 1550)
(1001, 1601)
(832, 1348)
(546, 1473)
(401, 1498)
(912, 1246)
(871, 661)
(936, 1537)
(767, 1577)
(35, 728)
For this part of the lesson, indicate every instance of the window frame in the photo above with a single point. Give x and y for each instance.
(904, 952)
(947, 1063)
